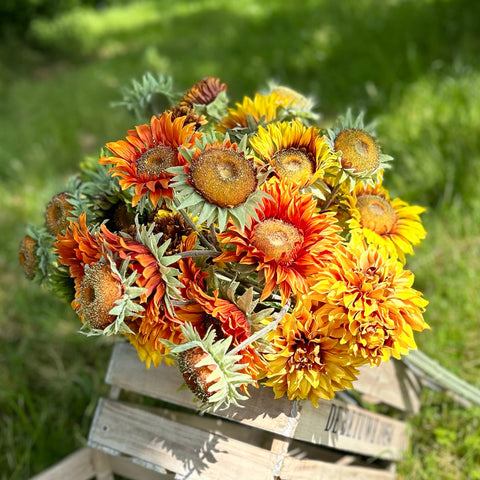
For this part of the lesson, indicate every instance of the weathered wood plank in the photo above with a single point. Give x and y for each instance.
(390, 383)
(126, 467)
(176, 447)
(295, 469)
(77, 466)
(353, 429)
(332, 424)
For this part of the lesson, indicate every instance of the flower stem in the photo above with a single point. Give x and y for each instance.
(433, 371)
(263, 331)
(198, 253)
(201, 237)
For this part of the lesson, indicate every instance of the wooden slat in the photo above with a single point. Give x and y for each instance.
(176, 447)
(199, 454)
(77, 466)
(353, 429)
(295, 469)
(332, 424)
(390, 383)
(126, 467)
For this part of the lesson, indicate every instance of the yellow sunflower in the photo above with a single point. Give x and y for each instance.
(263, 108)
(143, 158)
(391, 224)
(369, 303)
(306, 362)
(296, 153)
(287, 242)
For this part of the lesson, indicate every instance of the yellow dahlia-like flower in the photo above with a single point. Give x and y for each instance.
(142, 159)
(262, 108)
(287, 242)
(390, 224)
(296, 153)
(306, 362)
(368, 300)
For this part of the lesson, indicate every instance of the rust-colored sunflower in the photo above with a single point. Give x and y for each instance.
(27, 256)
(143, 158)
(227, 320)
(306, 362)
(391, 224)
(203, 92)
(158, 323)
(98, 292)
(369, 302)
(57, 213)
(288, 243)
(78, 247)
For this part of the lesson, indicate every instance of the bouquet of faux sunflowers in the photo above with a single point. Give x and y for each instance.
(243, 244)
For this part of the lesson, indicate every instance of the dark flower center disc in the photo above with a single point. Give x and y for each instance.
(155, 161)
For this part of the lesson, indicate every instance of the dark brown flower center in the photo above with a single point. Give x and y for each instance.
(57, 213)
(376, 213)
(99, 291)
(224, 177)
(360, 152)
(276, 238)
(155, 161)
(294, 165)
(307, 356)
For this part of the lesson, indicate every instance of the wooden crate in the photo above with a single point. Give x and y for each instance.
(267, 439)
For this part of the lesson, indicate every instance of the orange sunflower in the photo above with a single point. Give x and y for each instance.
(227, 320)
(288, 243)
(307, 362)
(158, 323)
(385, 223)
(104, 299)
(369, 303)
(295, 152)
(78, 247)
(143, 158)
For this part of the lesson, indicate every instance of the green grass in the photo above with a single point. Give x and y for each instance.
(412, 64)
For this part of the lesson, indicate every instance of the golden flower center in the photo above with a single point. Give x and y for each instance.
(58, 210)
(376, 213)
(294, 165)
(307, 356)
(155, 161)
(99, 291)
(224, 177)
(360, 152)
(276, 238)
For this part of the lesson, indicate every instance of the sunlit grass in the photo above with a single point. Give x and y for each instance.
(414, 64)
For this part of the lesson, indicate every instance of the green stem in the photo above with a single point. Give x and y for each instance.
(199, 253)
(201, 237)
(263, 331)
(432, 370)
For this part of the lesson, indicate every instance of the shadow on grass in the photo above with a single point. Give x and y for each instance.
(344, 52)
